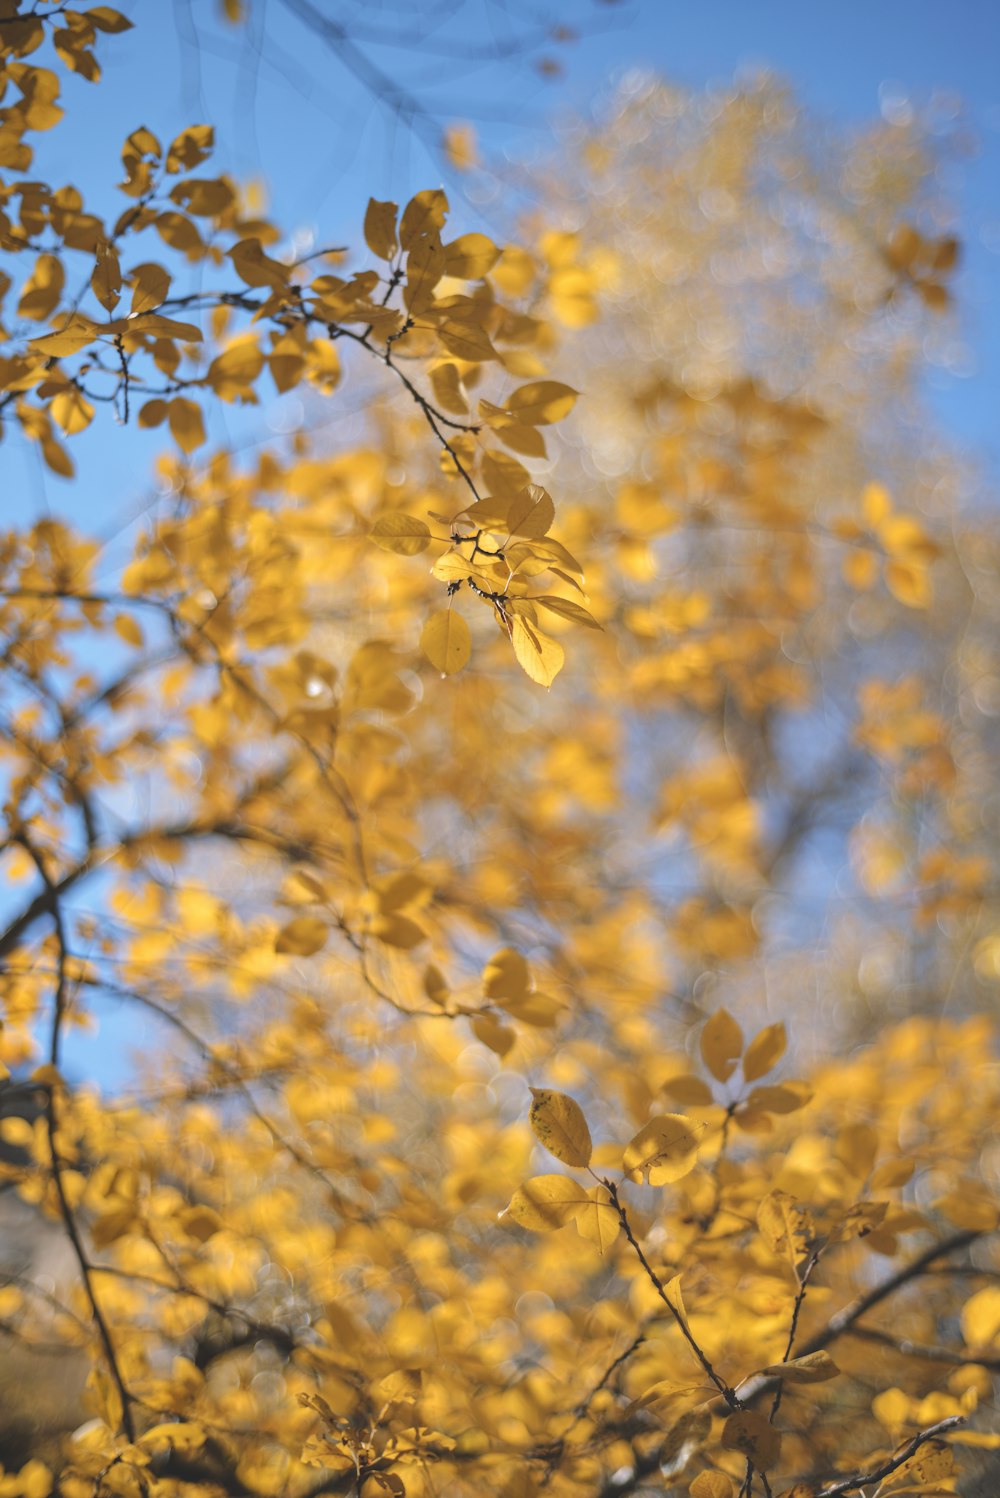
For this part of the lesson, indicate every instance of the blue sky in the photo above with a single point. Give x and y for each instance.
(289, 112)
(286, 111)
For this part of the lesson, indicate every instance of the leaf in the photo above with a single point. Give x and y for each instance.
(257, 269)
(403, 534)
(684, 1440)
(764, 1051)
(932, 1464)
(74, 335)
(539, 656)
(532, 512)
(751, 1434)
(721, 1045)
(302, 937)
(106, 281)
(43, 289)
(186, 425)
(380, 228)
(546, 1202)
(712, 1485)
(786, 1227)
(786, 1099)
(470, 257)
(567, 609)
(664, 1150)
(506, 975)
(811, 1368)
(129, 629)
(558, 1123)
(981, 1318)
(150, 285)
(691, 1091)
(71, 411)
(598, 1221)
(446, 641)
(499, 1038)
(467, 340)
(542, 402)
(910, 583)
(425, 213)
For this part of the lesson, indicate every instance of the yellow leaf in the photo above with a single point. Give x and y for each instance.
(691, 1091)
(764, 1051)
(186, 425)
(531, 513)
(466, 340)
(106, 281)
(397, 931)
(721, 1045)
(538, 655)
(567, 609)
(380, 228)
(711, 1485)
(499, 1038)
(446, 641)
(255, 268)
(42, 290)
(403, 534)
(72, 411)
(811, 1368)
(860, 569)
(753, 1436)
(558, 1123)
(460, 147)
(74, 335)
(910, 583)
(302, 937)
(664, 1150)
(190, 148)
(932, 1464)
(598, 1221)
(470, 257)
(547, 1202)
(129, 630)
(425, 213)
(785, 1227)
(182, 1436)
(506, 975)
(150, 284)
(542, 402)
(876, 505)
(232, 374)
(981, 1318)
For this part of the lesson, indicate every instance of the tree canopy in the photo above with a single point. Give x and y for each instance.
(548, 830)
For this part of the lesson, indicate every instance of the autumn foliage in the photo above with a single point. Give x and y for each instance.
(552, 881)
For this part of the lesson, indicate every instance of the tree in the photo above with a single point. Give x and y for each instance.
(292, 787)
